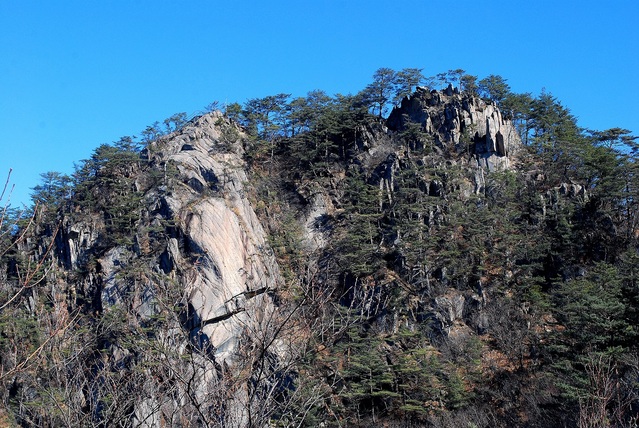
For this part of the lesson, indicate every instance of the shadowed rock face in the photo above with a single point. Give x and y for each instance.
(461, 122)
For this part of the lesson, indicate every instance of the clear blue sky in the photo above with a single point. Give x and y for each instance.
(78, 73)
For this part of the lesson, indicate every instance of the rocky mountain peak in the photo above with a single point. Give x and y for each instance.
(460, 121)
(307, 263)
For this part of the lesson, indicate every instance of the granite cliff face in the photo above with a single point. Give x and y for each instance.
(234, 267)
(215, 249)
(198, 247)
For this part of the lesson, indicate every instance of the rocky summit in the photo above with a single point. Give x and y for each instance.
(309, 262)
(456, 119)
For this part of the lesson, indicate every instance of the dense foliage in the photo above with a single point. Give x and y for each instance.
(543, 259)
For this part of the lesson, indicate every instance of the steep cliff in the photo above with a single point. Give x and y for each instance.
(230, 266)
(321, 266)
(188, 285)
(215, 248)
(169, 260)
(461, 120)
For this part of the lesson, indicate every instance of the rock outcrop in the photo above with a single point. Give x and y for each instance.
(229, 267)
(209, 253)
(216, 249)
(462, 123)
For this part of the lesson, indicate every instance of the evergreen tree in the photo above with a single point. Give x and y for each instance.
(494, 88)
(406, 81)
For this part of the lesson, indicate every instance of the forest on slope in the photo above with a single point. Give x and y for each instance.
(430, 289)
